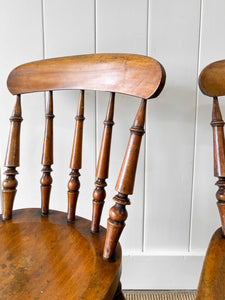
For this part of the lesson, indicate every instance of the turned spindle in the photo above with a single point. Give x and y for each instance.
(76, 160)
(219, 158)
(99, 193)
(47, 157)
(12, 161)
(125, 184)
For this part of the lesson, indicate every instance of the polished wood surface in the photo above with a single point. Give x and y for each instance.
(47, 156)
(49, 258)
(212, 78)
(12, 160)
(99, 193)
(219, 158)
(218, 140)
(104, 72)
(47, 254)
(76, 160)
(212, 281)
(125, 184)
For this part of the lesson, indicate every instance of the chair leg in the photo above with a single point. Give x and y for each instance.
(119, 294)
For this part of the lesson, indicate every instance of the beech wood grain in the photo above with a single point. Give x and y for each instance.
(212, 282)
(212, 78)
(47, 156)
(48, 258)
(99, 193)
(125, 184)
(131, 74)
(76, 160)
(12, 160)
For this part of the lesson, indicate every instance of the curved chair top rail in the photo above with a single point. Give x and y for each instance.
(130, 74)
(212, 79)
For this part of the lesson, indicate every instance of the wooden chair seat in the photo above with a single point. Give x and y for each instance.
(49, 258)
(212, 281)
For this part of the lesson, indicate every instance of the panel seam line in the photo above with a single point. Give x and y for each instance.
(195, 132)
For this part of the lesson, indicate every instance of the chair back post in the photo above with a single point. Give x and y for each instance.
(47, 157)
(12, 160)
(125, 184)
(99, 193)
(76, 160)
(219, 158)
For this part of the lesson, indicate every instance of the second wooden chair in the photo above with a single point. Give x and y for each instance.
(212, 281)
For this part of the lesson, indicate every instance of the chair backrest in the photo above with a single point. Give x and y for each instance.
(212, 84)
(130, 74)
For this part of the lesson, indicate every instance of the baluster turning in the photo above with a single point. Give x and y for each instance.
(125, 184)
(76, 160)
(103, 166)
(47, 157)
(12, 161)
(219, 158)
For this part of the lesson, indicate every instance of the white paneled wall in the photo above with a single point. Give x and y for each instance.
(173, 211)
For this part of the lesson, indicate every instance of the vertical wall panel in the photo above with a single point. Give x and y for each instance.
(69, 27)
(21, 41)
(70, 30)
(122, 27)
(205, 214)
(173, 40)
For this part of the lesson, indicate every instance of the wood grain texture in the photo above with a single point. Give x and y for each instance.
(13, 149)
(212, 282)
(47, 156)
(12, 160)
(218, 140)
(219, 158)
(212, 78)
(76, 160)
(105, 72)
(125, 184)
(102, 170)
(48, 258)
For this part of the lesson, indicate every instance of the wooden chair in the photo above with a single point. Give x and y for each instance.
(46, 254)
(212, 281)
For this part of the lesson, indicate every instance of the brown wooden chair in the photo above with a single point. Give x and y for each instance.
(46, 254)
(212, 281)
